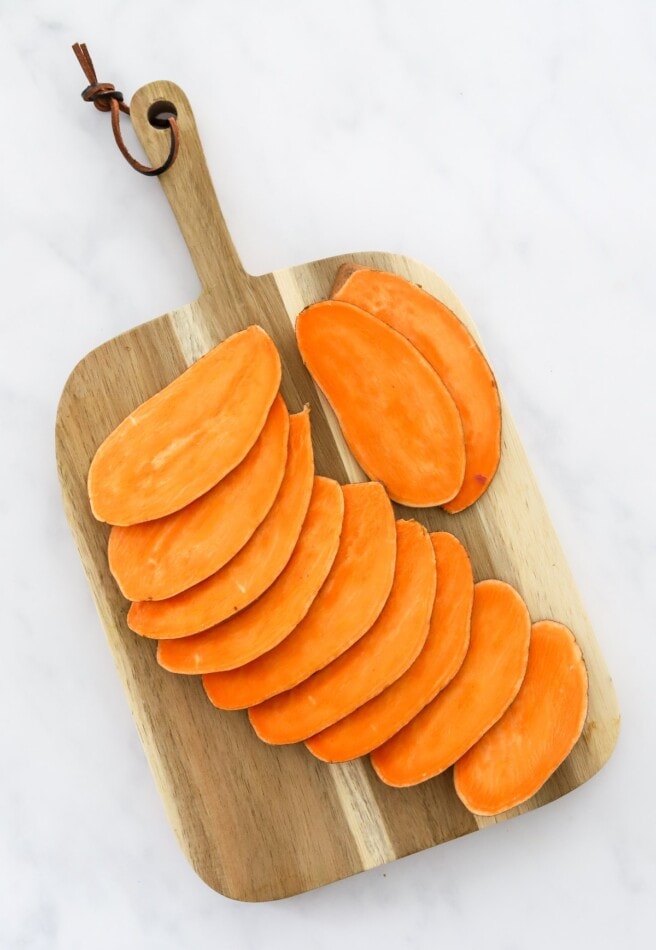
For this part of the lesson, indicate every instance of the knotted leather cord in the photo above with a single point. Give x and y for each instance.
(108, 99)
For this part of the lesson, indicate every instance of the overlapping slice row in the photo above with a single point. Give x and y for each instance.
(446, 644)
(346, 606)
(254, 568)
(446, 343)
(377, 659)
(160, 558)
(478, 695)
(272, 617)
(304, 601)
(397, 416)
(518, 754)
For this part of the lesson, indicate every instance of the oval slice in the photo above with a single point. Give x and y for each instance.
(474, 700)
(274, 615)
(382, 655)
(160, 558)
(451, 350)
(536, 734)
(253, 569)
(175, 446)
(345, 608)
(396, 414)
(440, 659)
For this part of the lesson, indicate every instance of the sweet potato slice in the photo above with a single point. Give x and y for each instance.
(451, 350)
(160, 558)
(474, 700)
(382, 655)
(440, 659)
(274, 615)
(178, 444)
(536, 733)
(253, 569)
(345, 608)
(396, 414)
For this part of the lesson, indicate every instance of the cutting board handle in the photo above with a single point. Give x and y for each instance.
(187, 184)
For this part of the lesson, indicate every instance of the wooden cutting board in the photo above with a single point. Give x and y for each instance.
(260, 822)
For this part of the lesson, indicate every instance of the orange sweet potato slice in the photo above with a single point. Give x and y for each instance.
(397, 416)
(451, 350)
(382, 655)
(160, 558)
(474, 700)
(535, 735)
(178, 444)
(345, 608)
(253, 569)
(440, 659)
(263, 624)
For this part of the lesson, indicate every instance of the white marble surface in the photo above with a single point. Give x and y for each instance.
(510, 146)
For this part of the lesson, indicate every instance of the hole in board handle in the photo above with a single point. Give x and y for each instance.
(160, 112)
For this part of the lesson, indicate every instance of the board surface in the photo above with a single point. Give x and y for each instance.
(260, 822)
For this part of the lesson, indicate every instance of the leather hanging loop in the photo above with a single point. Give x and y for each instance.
(106, 98)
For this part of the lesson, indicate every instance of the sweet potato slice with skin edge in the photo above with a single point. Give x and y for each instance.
(178, 444)
(382, 655)
(537, 732)
(345, 608)
(253, 569)
(443, 339)
(158, 559)
(440, 659)
(262, 625)
(397, 416)
(478, 695)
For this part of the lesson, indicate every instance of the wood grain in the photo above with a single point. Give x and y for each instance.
(258, 822)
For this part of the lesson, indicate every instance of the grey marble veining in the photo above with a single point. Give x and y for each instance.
(510, 146)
